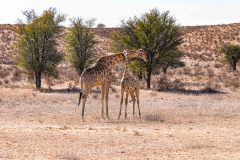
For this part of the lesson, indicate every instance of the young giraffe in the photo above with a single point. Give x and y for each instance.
(130, 85)
(100, 74)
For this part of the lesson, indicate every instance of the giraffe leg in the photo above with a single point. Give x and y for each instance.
(121, 102)
(102, 99)
(106, 99)
(137, 96)
(83, 107)
(84, 98)
(133, 99)
(126, 102)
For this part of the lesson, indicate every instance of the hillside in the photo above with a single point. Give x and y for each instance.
(201, 44)
(205, 41)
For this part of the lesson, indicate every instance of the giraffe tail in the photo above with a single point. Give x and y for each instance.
(80, 96)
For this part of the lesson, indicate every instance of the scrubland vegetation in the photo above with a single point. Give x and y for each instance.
(191, 112)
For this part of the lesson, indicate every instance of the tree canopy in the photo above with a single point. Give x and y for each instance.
(157, 33)
(37, 44)
(231, 54)
(101, 25)
(80, 44)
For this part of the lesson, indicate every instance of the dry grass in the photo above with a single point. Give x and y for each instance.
(186, 70)
(16, 76)
(153, 94)
(35, 125)
(154, 117)
(233, 82)
(218, 65)
(165, 84)
(210, 73)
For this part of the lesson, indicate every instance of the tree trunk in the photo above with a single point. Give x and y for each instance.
(165, 70)
(38, 80)
(234, 66)
(148, 79)
(140, 76)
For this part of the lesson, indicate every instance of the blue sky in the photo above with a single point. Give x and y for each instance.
(111, 12)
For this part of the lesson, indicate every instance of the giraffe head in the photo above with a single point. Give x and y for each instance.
(140, 53)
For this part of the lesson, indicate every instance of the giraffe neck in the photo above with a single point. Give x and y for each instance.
(119, 57)
(112, 60)
(126, 70)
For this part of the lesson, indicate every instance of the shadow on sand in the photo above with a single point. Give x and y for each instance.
(67, 90)
(207, 90)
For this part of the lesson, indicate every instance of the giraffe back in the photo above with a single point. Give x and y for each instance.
(100, 72)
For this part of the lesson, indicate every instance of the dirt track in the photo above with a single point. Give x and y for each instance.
(37, 125)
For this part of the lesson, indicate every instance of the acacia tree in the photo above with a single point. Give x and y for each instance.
(37, 46)
(155, 32)
(101, 25)
(231, 54)
(80, 44)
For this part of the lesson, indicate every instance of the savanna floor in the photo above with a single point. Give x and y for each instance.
(35, 125)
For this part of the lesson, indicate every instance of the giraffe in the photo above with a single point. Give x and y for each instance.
(129, 85)
(100, 74)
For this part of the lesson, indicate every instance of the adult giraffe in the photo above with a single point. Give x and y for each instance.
(100, 74)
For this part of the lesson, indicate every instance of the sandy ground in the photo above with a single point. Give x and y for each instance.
(36, 125)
